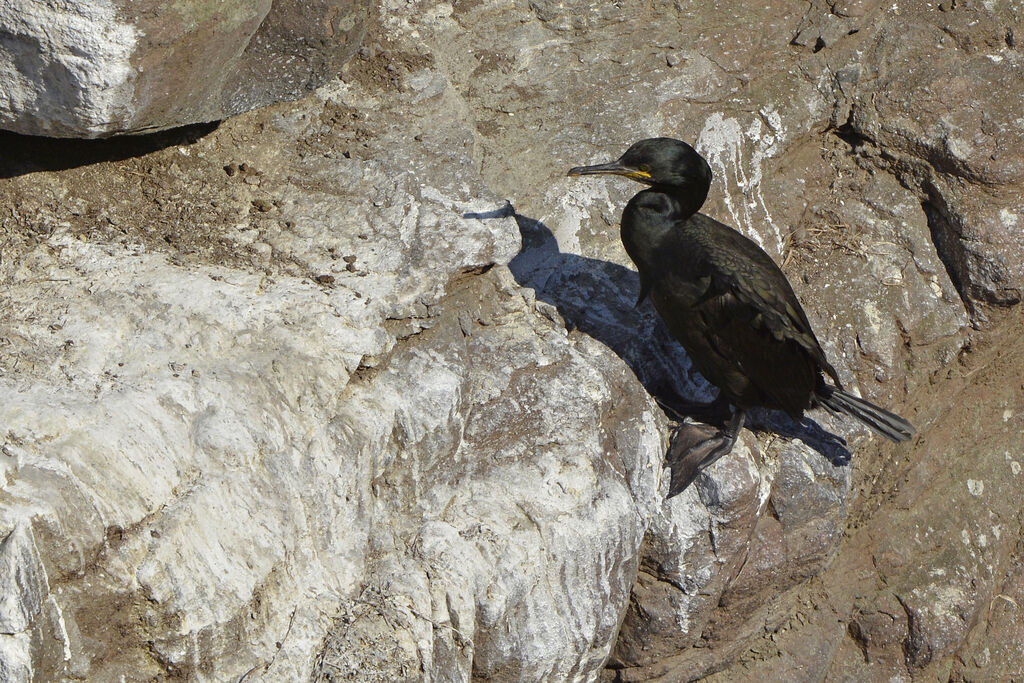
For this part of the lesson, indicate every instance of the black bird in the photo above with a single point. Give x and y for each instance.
(726, 301)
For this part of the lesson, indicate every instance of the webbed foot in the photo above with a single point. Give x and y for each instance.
(687, 457)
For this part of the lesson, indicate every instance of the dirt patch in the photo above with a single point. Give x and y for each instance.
(381, 64)
(202, 194)
(185, 193)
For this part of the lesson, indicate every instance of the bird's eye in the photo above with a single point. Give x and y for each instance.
(645, 168)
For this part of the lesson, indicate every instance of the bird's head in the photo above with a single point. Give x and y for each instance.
(659, 162)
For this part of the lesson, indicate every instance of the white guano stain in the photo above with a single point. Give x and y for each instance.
(722, 142)
(62, 628)
(874, 317)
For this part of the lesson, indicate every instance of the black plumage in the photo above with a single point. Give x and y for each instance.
(725, 300)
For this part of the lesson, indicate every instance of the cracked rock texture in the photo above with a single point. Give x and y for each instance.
(354, 387)
(93, 68)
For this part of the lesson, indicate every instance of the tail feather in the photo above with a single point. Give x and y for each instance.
(889, 425)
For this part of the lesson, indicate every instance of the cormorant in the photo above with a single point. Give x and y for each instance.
(725, 300)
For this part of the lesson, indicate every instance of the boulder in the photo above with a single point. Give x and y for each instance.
(95, 69)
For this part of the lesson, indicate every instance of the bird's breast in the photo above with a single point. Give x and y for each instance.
(663, 255)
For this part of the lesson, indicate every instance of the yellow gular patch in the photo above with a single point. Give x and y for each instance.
(638, 175)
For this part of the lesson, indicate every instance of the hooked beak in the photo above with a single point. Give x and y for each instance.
(613, 168)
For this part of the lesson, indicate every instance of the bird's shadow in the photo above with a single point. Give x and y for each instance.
(598, 298)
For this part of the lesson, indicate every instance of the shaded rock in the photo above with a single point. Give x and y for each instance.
(691, 552)
(977, 237)
(96, 69)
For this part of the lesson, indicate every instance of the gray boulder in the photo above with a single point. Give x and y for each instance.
(93, 69)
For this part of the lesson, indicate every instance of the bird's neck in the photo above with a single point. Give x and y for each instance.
(687, 200)
(655, 215)
(648, 220)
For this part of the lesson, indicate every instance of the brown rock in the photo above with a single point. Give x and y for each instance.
(955, 138)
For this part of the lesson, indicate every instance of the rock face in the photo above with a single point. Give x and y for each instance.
(93, 69)
(354, 388)
(296, 424)
(960, 156)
